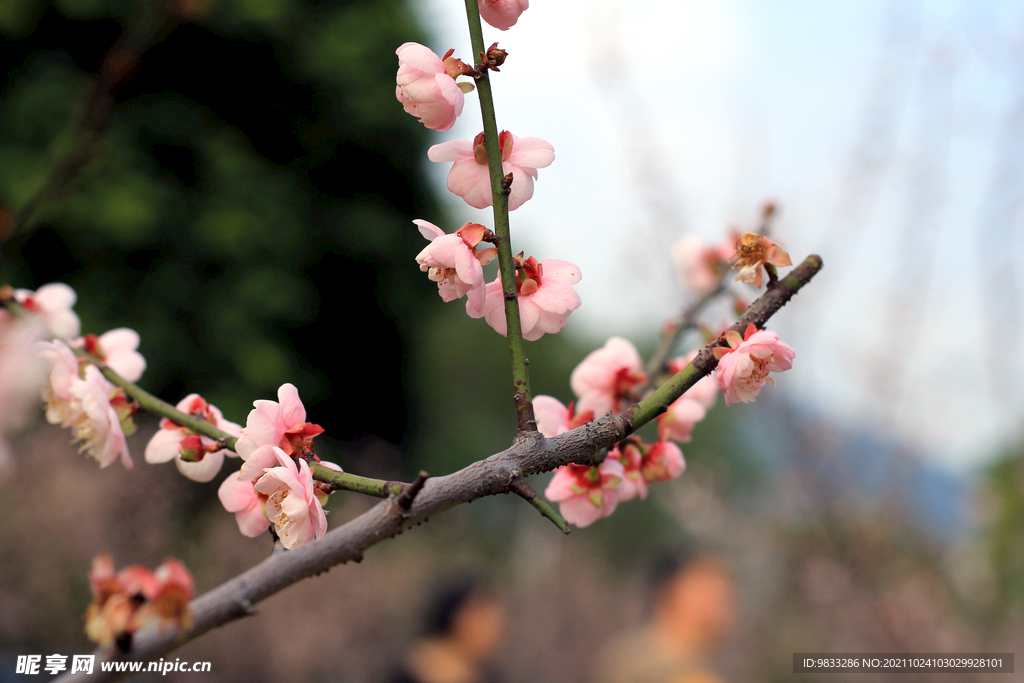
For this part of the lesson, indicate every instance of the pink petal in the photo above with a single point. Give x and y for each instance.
(453, 150)
(163, 447)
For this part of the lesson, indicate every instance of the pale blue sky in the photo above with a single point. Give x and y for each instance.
(877, 126)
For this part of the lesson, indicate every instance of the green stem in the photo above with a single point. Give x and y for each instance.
(339, 480)
(517, 351)
(526, 492)
(353, 482)
(164, 409)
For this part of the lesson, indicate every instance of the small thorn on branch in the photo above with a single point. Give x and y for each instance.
(526, 492)
(407, 496)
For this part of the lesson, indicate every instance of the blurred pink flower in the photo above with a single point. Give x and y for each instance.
(502, 14)
(52, 303)
(166, 444)
(271, 425)
(117, 350)
(64, 371)
(426, 85)
(94, 421)
(662, 461)
(546, 297)
(21, 376)
(684, 413)
(743, 367)
(585, 493)
(126, 601)
(470, 179)
(701, 266)
(607, 377)
(553, 418)
(633, 482)
(453, 262)
(292, 505)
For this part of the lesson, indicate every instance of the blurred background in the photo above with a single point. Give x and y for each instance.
(243, 180)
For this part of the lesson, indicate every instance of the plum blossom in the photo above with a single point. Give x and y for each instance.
(64, 372)
(701, 266)
(553, 418)
(585, 493)
(175, 442)
(52, 303)
(754, 251)
(426, 85)
(270, 424)
(117, 350)
(633, 482)
(608, 376)
(662, 461)
(678, 421)
(453, 262)
(743, 367)
(470, 178)
(126, 601)
(546, 297)
(292, 504)
(241, 497)
(643, 464)
(21, 375)
(502, 14)
(95, 421)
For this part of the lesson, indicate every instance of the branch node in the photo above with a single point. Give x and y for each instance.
(407, 496)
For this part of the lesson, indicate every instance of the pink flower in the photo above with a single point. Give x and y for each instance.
(743, 368)
(586, 493)
(52, 303)
(546, 297)
(169, 596)
(427, 88)
(21, 375)
(633, 482)
(171, 442)
(608, 377)
(684, 413)
(292, 504)
(701, 267)
(553, 418)
(662, 461)
(470, 179)
(64, 372)
(95, 422)
(502, 14)
(282, 425)
(241, 497)
(754, 251)
(117, 350)
(453, 262)
(125, 602)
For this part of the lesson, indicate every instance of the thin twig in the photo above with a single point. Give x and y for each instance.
(526, 492)
(521, 393)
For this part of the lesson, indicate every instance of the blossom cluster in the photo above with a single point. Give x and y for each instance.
(125, 601)
(610, 379)
(427, 89)
(275, 484)
(41, 352)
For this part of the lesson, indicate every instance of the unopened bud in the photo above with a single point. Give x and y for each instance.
(191, 448)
